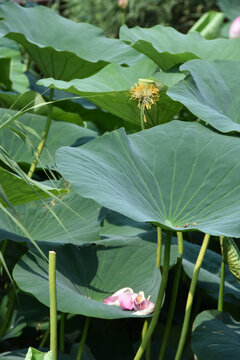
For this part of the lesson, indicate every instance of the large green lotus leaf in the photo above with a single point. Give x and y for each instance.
(18, 191)
(109, 89)
(216, 335)
(115, 224)
(167, 47)
(210, 273)
(181, 175)
(92, 274)
(32, 126)
(74, 220)
(66, 50)
(16, 322)
(211, 92)
(17, 78)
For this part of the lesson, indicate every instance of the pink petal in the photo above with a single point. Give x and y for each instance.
(234, 31)
(111, 300)
(126, 301)
(147, 308)
(139, 300)
(123, 290)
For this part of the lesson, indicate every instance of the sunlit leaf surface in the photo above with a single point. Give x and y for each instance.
(87, 275)
(66, 50)
(216, 335)
(167, 47)
(180, 175)
(211, 92)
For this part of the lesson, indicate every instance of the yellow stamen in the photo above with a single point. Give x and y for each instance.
(146, 93)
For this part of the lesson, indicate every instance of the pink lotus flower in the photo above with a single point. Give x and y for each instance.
(128, 300)
(234, 31)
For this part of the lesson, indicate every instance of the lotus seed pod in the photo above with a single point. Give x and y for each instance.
(231, 256)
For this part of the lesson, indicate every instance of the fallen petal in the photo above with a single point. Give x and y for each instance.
(111, 300)
(140, 298)
(114, 299)
(147, 307)
(126, 300)
(123, 290)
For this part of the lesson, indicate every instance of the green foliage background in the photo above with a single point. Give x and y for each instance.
(107, 15)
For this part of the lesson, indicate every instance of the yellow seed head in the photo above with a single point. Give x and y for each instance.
(146, 93)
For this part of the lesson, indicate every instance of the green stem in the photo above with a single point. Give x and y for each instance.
(222, 279)
(53, 303)
(191, 295)
(159, 247)
(158, 263)
(83, 339)
(62, 326)
(144, 330)
(148, 350)
(180, 243)
(8, 313)
(3, 249)
(123, 16)
(142, 116)
(172, 305)
(45, 337)
(44, 135)
(160, 296)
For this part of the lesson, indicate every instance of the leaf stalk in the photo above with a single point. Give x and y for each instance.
(191, 296)
(159, 301)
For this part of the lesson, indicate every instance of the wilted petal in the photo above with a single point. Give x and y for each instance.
(140, 298)
(234, 31)
(126, 300)
(123, 290)
(111, 300)
(114, 299)
(147, 307)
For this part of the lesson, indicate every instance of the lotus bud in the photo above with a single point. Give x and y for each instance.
(123, 4)
(234, 31)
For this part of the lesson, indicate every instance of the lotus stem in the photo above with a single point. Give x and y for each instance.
(45, 337)
(159, 246)
(62, 328)
(83, 338)
(172, 305)
(158, 263)
(44, 135)
(3, 250)
(160, 296)
(144, 330)
(222, 279)
(142, 116)
(180, 243)
(191, 296)
(53, 303)
(7, 316)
